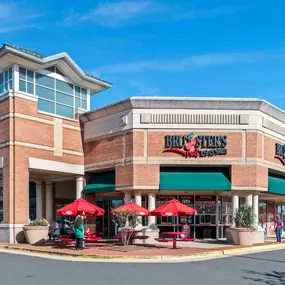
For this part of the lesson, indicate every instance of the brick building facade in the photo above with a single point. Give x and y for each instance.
(212, 154)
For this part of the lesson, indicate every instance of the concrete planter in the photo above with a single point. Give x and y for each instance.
(36, 234)
(243, 236)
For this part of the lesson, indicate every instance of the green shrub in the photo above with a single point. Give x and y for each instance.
(38, 223)
(244, 217)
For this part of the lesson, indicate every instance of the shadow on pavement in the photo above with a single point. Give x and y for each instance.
(270, 278)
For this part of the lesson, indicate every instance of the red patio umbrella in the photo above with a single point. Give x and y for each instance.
(132, 207)
(80, 207)
(173, 208)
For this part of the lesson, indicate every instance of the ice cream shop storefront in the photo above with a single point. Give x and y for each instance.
(213, 157)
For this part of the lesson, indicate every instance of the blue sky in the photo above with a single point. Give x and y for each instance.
(160, 47)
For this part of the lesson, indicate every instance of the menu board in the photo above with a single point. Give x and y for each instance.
(161, 199)
(206, 205)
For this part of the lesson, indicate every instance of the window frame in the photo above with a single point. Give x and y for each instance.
(7, 84)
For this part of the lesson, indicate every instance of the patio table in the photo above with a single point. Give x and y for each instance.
(174, 236)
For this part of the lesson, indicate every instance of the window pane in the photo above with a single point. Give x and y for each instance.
(6, 86)
(30, 75)
(11, 84)
(45, 93)
(1, 89)
(46, 106)
(6, 76)
(64, 87)
(84, 104)
(22, 72)
(1, 78)
(44, 80)
(77, 91)
(10, 73)
(65, 99)
(77, 103)
(84, 93)
(30, 88)
(22, 86)
(64, 111)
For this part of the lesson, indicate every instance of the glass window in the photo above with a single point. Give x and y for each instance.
(46, 106)
(64, 87)
(64, 111)
(22, 86)
(84, 93)
(65, 99)
(30, 88)
(10, 73)
(77, 91)
(45, 93)
(1, 88)
(22, 73)
(30, 75)
(77, 103)
(84, 104)
(44, 80)
(1, 78)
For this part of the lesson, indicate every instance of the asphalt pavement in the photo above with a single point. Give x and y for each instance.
(263, 268)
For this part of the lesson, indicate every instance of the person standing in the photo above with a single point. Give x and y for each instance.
(278, 228)
(79, 233)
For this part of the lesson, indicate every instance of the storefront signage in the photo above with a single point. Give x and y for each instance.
(280, 152)
(199, 146)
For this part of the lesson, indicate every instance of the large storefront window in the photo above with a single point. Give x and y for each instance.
(32, 201)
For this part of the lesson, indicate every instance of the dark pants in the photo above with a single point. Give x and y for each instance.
(78, 244)
(278, 234)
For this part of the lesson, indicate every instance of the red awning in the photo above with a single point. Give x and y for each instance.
(80, 207)
(132, 207)
(173, 208)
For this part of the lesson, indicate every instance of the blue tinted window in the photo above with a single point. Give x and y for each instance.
(1, 78)
(64, 111)
(10, 73)
(30, 88)
(44, 80)
(84, 93)
(11, 84)
(1, 89)
(22, 73)
(64, 87)
(77, 91)
(30, 75)
(6, 76)
(46, 106)
(6, 86)
(65, 99)
(77, 103)
(84, 104)
(45, 93)
(22, 86)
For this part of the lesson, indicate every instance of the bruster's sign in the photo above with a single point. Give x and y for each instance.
(280, 152)
(199, 146)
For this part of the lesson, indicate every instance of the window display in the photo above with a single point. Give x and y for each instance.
(161, 200)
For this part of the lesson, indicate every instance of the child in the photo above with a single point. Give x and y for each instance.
(56, 232)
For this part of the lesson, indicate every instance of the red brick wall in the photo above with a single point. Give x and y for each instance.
(254, 145)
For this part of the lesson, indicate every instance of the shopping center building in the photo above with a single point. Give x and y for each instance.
(213, 154)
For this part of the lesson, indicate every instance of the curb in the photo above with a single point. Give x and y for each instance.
(165, 258)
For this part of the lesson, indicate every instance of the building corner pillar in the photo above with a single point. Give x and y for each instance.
(138, 201)
(235, 202)
(49, 201)
(79, 187)
(248, 200)
(39, 196)
(255, 207)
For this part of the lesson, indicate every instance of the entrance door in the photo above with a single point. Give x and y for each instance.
(105, 224)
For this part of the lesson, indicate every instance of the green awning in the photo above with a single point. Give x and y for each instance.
(100, 183)
(198, 178)
(276, 184)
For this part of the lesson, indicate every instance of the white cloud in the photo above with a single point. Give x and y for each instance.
(115, 13)
(191, 62)
(14, 16)
(211, 13)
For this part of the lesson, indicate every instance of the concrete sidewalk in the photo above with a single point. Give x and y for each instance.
(105, 251)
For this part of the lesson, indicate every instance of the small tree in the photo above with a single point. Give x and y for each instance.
(126, 221)
(244, 217)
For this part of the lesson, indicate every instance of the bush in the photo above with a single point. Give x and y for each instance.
(38, 223)
(244, 217)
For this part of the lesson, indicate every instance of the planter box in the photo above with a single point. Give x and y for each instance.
(36, 235)
(243, 236)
